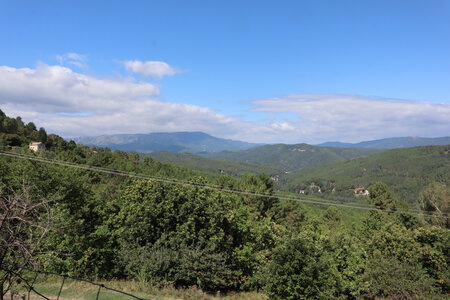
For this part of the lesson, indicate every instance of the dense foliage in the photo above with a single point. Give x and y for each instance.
(292, 157)
(407, 171)
(109, 226)
(211, 166)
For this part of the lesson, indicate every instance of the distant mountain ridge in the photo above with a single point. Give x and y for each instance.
(178, 142)
(392, 143)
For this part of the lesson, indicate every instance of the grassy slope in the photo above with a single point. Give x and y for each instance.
(407, 171)
(83, 291)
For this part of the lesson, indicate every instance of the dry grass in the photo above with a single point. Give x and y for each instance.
(75, 290)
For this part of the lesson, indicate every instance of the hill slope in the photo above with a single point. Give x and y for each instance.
(392, 143)
(292, 157)
(193, 142)
(15, 135)
(407, 171)
(211, 166)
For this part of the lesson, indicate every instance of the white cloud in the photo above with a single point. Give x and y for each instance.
(58, 89)
(282, 126)
(155, 69)
(74, 104)
(73, 59)
(351, 118)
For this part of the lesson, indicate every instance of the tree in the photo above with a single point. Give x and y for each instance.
(382, 198)
(30, 128)
(23, 224)
(9, 125)
(389, 278)
(434, 200)
(302, 268)
(261, 184)
(435, 246)
(42, 135)
(170, 233)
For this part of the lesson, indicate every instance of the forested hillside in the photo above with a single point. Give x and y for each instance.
(213, 167)
(406, 171)
(292, 157)
(197, 233)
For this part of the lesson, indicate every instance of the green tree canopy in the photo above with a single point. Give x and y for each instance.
(381, 197)
(435, 202)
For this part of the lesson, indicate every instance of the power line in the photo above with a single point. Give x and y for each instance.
(198, 185)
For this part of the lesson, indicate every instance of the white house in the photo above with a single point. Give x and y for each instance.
(37, 146)
(361, 191)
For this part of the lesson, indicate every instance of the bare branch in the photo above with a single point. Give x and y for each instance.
(24, 222)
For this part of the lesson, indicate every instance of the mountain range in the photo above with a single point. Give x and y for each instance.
(328, 172)
(392, 143)
(205, 144)
(178, 142)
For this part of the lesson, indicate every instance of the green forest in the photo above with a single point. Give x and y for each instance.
(186, 228)
(407, 171)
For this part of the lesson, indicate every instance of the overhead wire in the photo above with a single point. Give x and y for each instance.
(201, 185)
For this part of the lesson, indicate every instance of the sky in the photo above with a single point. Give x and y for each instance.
(257, 71)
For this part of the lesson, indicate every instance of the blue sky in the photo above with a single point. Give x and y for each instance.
(262, 71)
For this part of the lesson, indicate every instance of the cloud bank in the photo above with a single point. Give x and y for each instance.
(352, 118)
(74, 104)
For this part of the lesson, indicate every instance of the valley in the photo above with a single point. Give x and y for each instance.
(223, 221)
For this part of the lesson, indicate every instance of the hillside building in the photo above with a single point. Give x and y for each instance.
(37, 146)
(361, 191)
